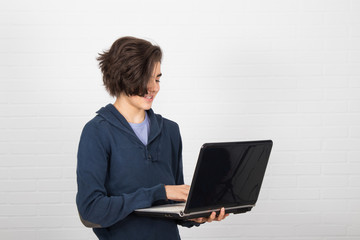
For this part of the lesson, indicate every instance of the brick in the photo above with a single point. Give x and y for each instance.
(354, 106)
(323, 83)
(321, 230)
(271, 206)
(338, 6)
(17, 211)
(57, 210)
(295, 218)
(343, 144)
(18, 234)
(4, 173)
(15, 135)
(79, 233)
(310, 6)
(341, 119)
(343, 94)
(309, 44)
(249, 218)
(292, 194)
(336, 18)
(321, 157)
(341, 168)
(323, 132)
(33, 148)
(322, 181)
(18, 186)
(33, 222)
(354, 205)
(340, 193)
(321, 107)
(242, 231)
(70, 173)
(353, 44)
(283, 157)
(298, 145)
(36, 173)
(354, 57)
(353, 156)
(294, 169)
(341, 218)
(332, 31)
(354, 181)
(30, 122)
(353, 230)
(323, 205)
(33, 198)
(56, 185)
(279, 182)
(68, 197)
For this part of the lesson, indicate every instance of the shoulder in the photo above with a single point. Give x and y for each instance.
(96, 127)
(95, 123)
(172, 130)
(164, 123)
(170, 124)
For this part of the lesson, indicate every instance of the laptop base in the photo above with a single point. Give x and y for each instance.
(183, 216)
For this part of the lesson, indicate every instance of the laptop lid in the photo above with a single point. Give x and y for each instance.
(228, 175)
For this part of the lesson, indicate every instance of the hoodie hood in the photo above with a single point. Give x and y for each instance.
(115, 118)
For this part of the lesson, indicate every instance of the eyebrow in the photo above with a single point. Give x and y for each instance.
(159, 75)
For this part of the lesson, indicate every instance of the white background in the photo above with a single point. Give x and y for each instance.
(286, 70)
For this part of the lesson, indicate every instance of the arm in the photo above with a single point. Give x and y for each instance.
(96, 207)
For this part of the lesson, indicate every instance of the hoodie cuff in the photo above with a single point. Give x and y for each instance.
(159, 192)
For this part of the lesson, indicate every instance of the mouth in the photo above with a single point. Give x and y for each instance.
(149, 97)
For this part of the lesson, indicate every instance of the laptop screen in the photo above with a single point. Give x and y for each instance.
(228, 175)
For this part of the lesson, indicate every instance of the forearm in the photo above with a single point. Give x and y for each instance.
(100, 210)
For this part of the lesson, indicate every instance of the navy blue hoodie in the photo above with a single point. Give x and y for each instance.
(117, 173)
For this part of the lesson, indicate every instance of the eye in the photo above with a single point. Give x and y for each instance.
(157, 80)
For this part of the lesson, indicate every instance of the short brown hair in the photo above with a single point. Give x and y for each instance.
(128, 66)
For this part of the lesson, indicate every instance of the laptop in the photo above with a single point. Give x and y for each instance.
(227, 174)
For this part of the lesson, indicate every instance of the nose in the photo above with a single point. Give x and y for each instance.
(153, 86)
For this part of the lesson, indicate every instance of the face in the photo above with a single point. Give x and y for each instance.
(153, 87)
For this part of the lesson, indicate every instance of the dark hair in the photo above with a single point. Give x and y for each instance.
(128, 66)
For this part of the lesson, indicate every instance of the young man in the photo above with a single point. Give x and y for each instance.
(128, 156)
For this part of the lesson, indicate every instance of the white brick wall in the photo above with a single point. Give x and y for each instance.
(287, 70)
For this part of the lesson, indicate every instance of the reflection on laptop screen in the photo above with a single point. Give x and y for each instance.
(226, 176)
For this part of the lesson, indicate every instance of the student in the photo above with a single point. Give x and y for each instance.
(128, 156)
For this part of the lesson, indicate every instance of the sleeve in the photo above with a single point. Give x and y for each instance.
(96, 208)
(179, 181)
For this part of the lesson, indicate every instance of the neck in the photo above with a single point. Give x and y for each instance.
(130, 113)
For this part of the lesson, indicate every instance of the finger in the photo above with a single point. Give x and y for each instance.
(212, 217)
(185, 189)
(199, 220)
(221, 215)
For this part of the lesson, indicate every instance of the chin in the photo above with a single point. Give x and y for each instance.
(146, 107)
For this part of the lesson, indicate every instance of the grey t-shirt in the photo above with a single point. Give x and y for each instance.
(142, 129)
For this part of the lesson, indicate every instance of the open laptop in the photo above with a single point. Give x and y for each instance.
(227, 175)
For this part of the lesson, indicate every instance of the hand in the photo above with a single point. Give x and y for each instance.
(177, 192)
(212, 217)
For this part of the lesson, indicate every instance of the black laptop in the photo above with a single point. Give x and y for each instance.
(227, 174)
